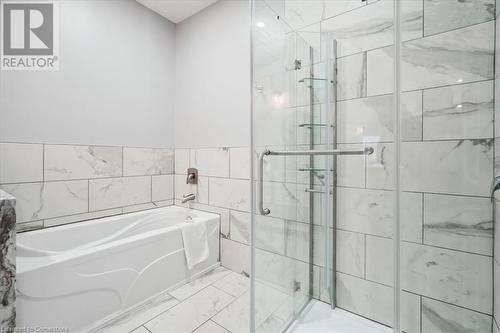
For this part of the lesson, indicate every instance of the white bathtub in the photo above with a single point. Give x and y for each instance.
(82, 275)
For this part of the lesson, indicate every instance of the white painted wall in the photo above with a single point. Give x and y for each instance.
(115, 85)
(212, 106)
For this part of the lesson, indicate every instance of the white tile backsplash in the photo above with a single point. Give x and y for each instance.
(211, 162)
(37, 201)
(62, 162)
(181, 161)
(239, 162)
(147, 161)
(21, 162)
(118, 192)
(162, 187)
(59, 183)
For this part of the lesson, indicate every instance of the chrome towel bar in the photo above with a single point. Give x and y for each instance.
(266, 152)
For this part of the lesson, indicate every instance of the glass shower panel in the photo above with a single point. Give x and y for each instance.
(288, 106)
(447, 166)
(328, 234)
(274, 95)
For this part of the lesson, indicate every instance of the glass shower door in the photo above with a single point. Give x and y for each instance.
(328, 232)
(281, 280)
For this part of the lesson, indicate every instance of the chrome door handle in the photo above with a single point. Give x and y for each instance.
(266, 152)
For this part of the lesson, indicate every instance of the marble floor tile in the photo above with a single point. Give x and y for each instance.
(139, 317)
(277, 320)
(271, 300)
(236, 316)
(140, 329)
(193, 287)
(212, 310)
(234, 284)
(188, 315)
(210, 327)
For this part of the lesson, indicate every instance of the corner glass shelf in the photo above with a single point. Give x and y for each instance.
(306, 125)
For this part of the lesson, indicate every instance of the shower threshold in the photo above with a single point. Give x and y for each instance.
(319, 317)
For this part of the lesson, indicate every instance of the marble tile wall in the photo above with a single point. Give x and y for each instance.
(447, 156)
(496, 201)
(57, 184)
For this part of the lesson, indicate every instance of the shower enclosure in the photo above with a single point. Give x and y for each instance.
(373, 148)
